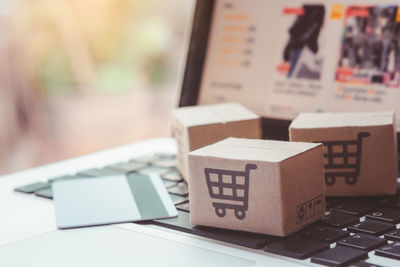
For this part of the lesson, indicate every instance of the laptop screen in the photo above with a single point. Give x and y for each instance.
(280, 58)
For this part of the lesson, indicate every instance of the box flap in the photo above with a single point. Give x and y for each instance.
(210, 114)
(328, 120)
(254, 149)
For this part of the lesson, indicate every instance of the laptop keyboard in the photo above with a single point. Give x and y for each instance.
(352, 227)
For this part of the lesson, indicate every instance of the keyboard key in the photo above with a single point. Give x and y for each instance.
(323, 233)
(165, 155)
(339, 220)
(181, 189)
(393, 235)
(391, 251)
(364, 242)
(385, 215)
(339, 256)
(182, 223)
(385, 201)
(355, 207)
(165, 162)
(98, 172)
(169, 184)
(178, 199)
(364, 264)
(296, 247)
(64, 177)
(332, 203)
(371, 228)
(127, 167)
(30, 188)
(183, 207)
(395, 203)
(46, 193)
(172, 176)
(145, 160)
(155, 170)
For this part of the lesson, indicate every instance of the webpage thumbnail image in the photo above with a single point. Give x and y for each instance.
(301, 56)
(370, 46)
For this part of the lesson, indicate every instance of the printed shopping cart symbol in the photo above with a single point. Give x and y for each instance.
(343, 159)
(230, 189)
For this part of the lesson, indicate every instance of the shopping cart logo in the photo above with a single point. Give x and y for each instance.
(229, 189)
(343, 159)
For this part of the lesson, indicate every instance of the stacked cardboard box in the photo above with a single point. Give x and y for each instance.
(360, 150)
(198, 126)
(270, 187)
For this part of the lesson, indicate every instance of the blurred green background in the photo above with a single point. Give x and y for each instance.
(81, 76)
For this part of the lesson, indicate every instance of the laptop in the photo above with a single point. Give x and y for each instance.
(277, 59)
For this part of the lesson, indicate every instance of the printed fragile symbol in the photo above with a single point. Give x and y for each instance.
(309, 209)
(302, 213)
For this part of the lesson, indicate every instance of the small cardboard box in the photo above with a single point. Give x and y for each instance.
(261, 186)
(198, 126)
(360, 150)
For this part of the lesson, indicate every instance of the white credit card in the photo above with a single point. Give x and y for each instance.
(110, 199)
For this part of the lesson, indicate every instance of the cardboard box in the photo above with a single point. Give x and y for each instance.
(261, 186)
(360, 150)
(198, 126)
